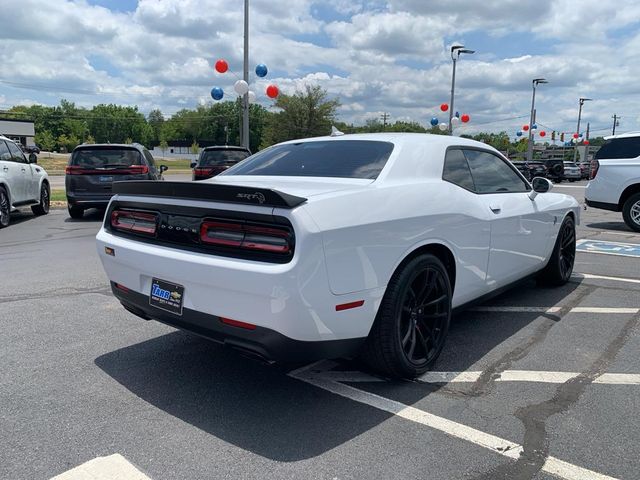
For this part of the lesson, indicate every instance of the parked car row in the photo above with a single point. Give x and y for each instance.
(554, 170)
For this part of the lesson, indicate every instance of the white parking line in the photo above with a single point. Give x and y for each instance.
(113, 467)
(499, 308)
(496, 444)
(604, 277)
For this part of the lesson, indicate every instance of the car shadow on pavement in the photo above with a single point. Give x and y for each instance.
(616, 226)
(91, 215)
(257, 407)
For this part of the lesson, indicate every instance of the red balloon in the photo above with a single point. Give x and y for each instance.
(575, 135)
(222, 66)
(465, 118)
(444, 107)
(543, 133)
(272, 91)
(586, 142)
(525, 128)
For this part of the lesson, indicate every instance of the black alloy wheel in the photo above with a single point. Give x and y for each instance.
(412, 322)
(5, 209)
(45, 201)
(424, 316)
(560, 265)
(567, 249)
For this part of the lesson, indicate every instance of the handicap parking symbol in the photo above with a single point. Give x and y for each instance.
(608, 248)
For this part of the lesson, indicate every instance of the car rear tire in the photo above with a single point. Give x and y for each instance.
(5, 208)
(76, 212)
(45, 201)
(413, 320)
(631, 212)
(560, 266)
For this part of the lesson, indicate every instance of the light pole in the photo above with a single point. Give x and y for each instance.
(535, 83)
(245, 97)
(575, 150)
(456, 50)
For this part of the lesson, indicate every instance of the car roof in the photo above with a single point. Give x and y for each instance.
(623, 135)
(135, 146)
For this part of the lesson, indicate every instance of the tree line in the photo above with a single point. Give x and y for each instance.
(307, 113)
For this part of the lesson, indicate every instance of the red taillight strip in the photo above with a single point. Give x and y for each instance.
(132, 170)
(122, 287)
(347, 306)
(141, 222)
(236, 323)
(249, 237)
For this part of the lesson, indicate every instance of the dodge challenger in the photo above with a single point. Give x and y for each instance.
(337, 246)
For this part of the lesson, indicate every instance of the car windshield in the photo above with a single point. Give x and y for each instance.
(106, 157)
(221, 157)
(330, 158)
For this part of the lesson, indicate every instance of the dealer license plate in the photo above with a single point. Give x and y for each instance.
(166, 296)
(106, 178)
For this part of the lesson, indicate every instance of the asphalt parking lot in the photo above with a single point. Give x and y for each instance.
(536, 384)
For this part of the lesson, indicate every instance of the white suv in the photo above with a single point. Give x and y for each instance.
(615, 178)
(22, 182)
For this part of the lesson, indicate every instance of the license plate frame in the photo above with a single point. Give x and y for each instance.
(105, 178)
(167, 296)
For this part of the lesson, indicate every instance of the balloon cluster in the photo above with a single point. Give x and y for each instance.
(534, 128)
(464, 118)
(241, 87)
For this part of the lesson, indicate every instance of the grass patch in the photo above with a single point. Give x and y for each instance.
(58, 195)
(55, 163)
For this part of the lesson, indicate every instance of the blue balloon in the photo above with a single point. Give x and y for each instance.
(261, 70)
(534, 127)
(217, 93)
(434, 121)
(519, 133)
(458, 114)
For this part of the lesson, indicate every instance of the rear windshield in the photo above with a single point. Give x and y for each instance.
(341, 158)
(106, 157)
(620, 148)
(221, 157)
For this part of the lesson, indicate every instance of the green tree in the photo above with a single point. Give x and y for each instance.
(164, 146)
(304, 114)
(67, 143)
(155, 119)
(195, 148)
(45, 140)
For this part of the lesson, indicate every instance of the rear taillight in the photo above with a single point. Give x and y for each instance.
(131, 170)
(133, 221)
(76, 170)
(595, 165)
(137, 169)
(248, 237)
(203, 171)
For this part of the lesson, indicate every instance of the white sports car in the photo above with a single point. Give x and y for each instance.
(333, 246)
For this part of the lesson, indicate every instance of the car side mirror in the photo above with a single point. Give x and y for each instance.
(193, 164)
(33, 158)
(540, 185)
(163, 168)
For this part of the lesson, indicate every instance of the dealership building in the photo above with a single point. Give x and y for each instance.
(22, 131)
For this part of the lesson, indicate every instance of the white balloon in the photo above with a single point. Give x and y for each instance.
(443, 126)
(252, 96)
(455, 121)
(241, 87)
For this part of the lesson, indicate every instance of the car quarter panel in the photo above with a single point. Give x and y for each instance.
(366, 242)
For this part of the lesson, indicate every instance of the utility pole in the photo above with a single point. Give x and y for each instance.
(385, 117)
(575, 148)
(615, 123)
(456, 50)
(532, 119)
(587, 134)
(245, 97)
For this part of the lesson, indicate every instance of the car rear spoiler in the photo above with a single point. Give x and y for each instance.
(208, 191)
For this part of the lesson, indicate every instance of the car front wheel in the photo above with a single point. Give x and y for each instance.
(5, 208)
(413, 320)
(631, 212)
(43, 207)
(560, 266)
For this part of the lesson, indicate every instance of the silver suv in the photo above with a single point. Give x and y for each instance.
(615, 178)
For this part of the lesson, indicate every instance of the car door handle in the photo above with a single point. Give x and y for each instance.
(495, 208)
(23, 169)
(6, 169)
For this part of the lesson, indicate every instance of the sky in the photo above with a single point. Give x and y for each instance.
(375, 56)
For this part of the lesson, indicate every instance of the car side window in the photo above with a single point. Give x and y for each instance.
(620, 148)
(149, 157)
(16, 153)
(456, 169)
(5, 154)
(491, 174)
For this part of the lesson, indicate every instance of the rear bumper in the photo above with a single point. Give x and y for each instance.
(263, 342)
(89, 201)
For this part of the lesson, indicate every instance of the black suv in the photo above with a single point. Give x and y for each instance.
(531, 169)
(555, 170)
(92, 169)
(215, 160)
